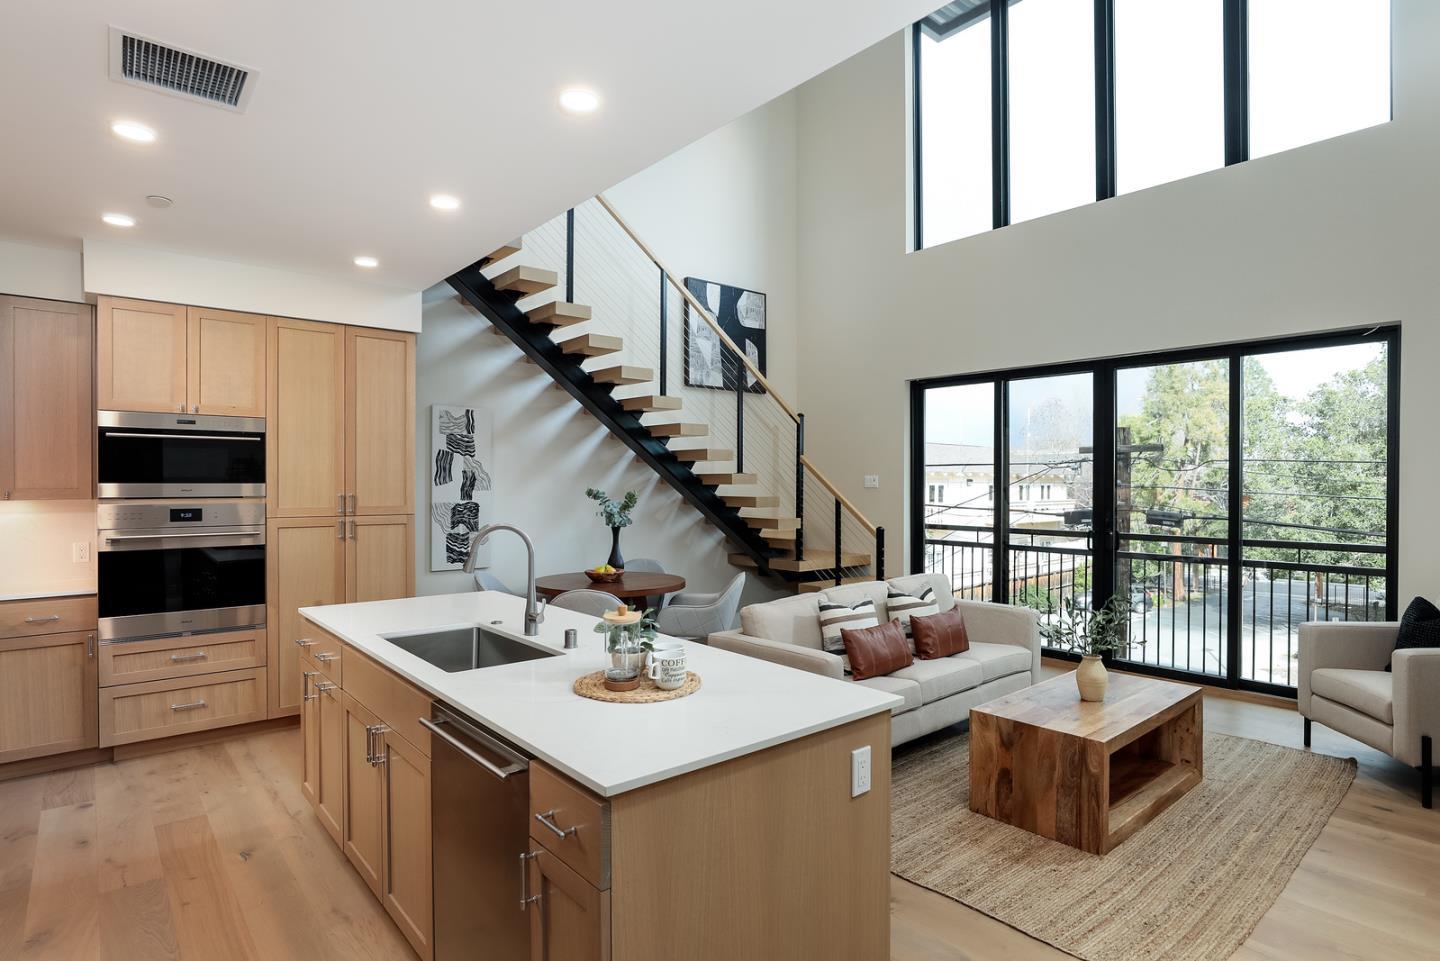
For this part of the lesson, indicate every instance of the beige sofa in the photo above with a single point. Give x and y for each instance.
(1004, 653)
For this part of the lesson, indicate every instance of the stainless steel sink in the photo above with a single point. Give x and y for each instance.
(455, 649)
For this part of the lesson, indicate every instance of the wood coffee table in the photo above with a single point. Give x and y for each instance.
(1086, 774)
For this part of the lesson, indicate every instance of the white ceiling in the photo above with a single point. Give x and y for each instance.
(363, 108)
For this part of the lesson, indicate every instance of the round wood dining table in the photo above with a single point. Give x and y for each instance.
(640, 584)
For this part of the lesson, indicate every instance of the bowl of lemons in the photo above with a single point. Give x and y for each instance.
(605, 574)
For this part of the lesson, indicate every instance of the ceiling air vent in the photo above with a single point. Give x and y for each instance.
(183, 73)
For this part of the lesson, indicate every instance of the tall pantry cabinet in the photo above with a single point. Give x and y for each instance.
(340, 460)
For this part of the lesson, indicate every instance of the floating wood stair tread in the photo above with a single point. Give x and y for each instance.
(735, 480)
(507, 249)
(780, 534)
(592, 345)
(818, 559)
(751, 500)
(649, 403)
(782, 523)
(815, 587)
(526, 280)
(559, 313)
(624, 374)
(697, 454)
(679, 430)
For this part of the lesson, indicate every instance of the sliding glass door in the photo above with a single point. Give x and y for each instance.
(1225, 495)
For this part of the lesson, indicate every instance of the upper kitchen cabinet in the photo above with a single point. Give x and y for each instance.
(141, 361)
(46, 400)
(380, 421)
(226, 362)
(168, 358)
(306, 429)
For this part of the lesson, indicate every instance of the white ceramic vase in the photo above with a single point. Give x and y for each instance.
(1091, 678)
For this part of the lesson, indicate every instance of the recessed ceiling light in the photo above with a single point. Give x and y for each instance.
(118, 220)
(579, 100)
(444, 202)
(131, 130)
(366, 262)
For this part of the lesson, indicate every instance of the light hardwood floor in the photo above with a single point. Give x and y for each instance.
(211, 854)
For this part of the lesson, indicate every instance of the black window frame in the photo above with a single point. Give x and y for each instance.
(1236, 17)
(1104, 536)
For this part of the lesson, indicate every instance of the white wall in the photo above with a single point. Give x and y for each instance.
(722, 208)
(123, 270)
(35, 540)
(45, 272)
(1334, 235)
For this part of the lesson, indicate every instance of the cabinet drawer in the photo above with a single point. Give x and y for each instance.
(581, 817)
(326, 650)
(132, 662)
(398, 704)
(47, 615)
(142, 712)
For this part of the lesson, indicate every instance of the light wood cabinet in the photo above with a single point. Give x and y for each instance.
(329, 743)
(183, 705)
(379, 421)
(48, 686)
(171, 358)
(225, 369)
(364, 822)
(47, 408)
(305, 560)
(406, 884)
(305, 431)
(571, 919)
(379, 558)
(135, 662)
(309, 734)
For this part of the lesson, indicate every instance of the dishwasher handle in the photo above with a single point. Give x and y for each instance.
(516, 765)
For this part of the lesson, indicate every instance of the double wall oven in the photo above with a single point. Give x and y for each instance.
(182, 524)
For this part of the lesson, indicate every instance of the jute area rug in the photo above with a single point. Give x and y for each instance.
(1189, 886)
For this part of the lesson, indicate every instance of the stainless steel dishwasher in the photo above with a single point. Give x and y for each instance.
(479, 814)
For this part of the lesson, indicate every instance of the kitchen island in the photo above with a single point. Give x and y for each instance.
(719, 825)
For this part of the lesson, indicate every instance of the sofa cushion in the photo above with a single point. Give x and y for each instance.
(835, 619)
(1419, 626)
(1369, 692)
(900, 686)
(852, 594)
(998, 660)
(942, 676)
(940, 635)
(873, 651)
(901, 606)
(791, 620)
(914, 584)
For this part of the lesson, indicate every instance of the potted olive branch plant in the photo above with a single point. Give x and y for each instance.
(1089, 632)
(615, 514)
(628, 643)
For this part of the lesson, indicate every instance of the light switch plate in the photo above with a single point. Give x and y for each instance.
(859, 771)
(872, 481)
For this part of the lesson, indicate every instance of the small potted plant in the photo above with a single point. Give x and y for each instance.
(629, 637)
(615, 514)
(1089, 633)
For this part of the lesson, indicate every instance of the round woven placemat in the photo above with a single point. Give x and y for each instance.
(593, 687)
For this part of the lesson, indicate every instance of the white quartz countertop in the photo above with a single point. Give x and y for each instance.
(744, 704)
(42, 592)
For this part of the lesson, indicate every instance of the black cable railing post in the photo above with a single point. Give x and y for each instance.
(838, 555)
(664, 326)
(800, 486)
(740, 419)
(570, 256)
(879, 553)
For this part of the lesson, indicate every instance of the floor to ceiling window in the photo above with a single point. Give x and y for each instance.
(1022, 108)
(1224, 495)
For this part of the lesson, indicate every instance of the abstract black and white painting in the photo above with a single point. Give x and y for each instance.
(461, 489)
(741, 314)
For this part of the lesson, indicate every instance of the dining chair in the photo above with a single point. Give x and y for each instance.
(485, 581)
(586, 602)
(695, 616)
(649, 565)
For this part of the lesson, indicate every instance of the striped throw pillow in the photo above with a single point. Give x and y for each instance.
(901, 606)
(837, 617)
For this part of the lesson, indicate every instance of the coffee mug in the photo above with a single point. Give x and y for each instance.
(668, 667)
(657, 646)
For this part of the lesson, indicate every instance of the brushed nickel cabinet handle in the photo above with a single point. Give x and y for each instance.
(42, 620)
(182, 658)
(353, 508)
(193, 705)
(325, 657)
(325, 688)
(303, 642)
(340, 530)
(548, 819)
(341, 499)
(525, 899)
(89, 645)
(352, 530)
(305, 686)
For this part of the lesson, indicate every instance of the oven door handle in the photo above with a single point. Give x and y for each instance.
(109, 538)
(248, 438)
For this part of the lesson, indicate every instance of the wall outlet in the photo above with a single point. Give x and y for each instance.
(859, 771)
(872, 481)
(80, 552)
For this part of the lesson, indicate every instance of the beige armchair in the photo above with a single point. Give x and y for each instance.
(1343, 684)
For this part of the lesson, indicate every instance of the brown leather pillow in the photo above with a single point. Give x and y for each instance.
(875, 651)
(939, 635)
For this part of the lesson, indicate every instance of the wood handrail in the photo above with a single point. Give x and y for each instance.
(844, 501)
(698, 307)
